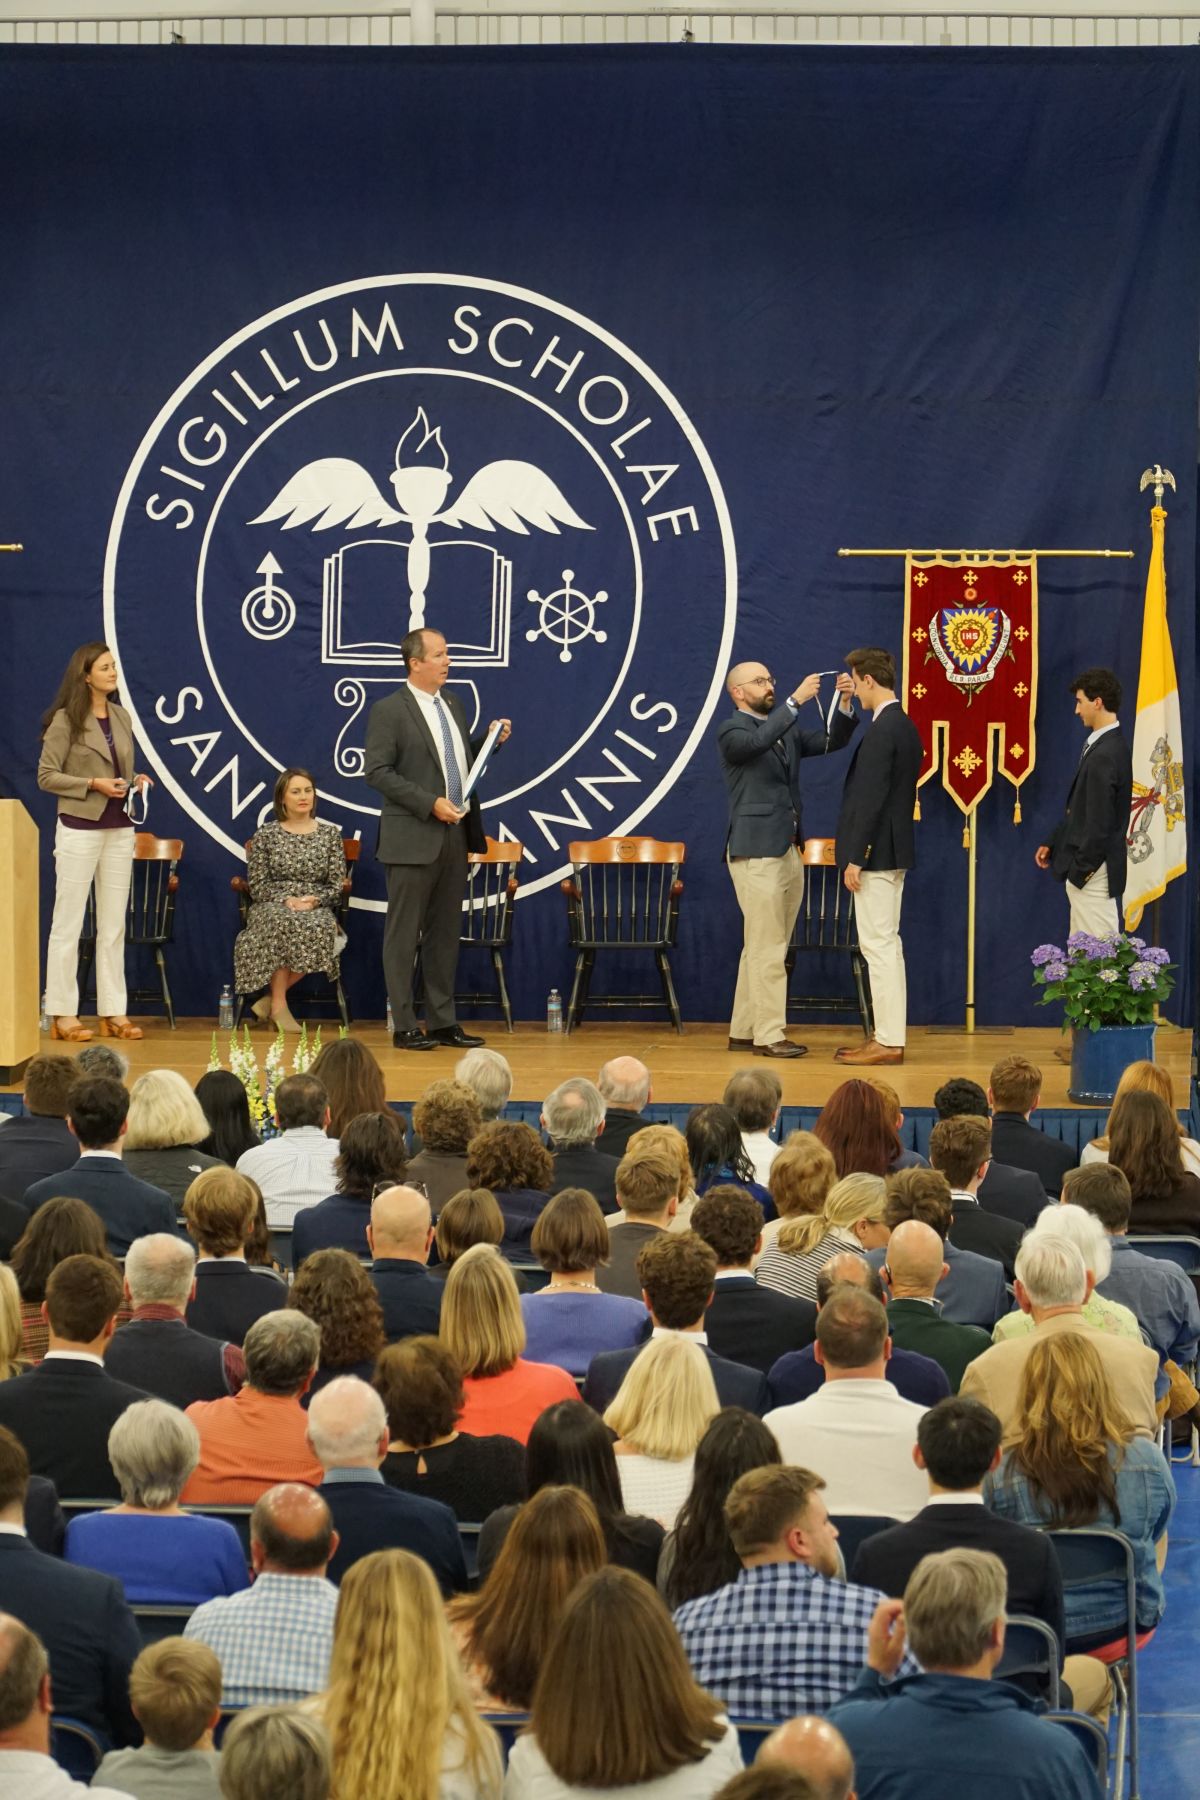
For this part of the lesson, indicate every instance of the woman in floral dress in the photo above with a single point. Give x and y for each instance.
(295, 867)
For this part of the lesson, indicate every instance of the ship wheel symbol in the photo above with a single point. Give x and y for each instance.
(566, 616)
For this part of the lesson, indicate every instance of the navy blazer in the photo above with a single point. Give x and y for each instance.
(755, 1326)
(1015, 1194)
(63, 1411)
(410, 1295)
(87, 1628)
(401, 762)
(338, 1223)
(798, 1375)
(584, 1166)
(130, 1208)
(33, 1146)
(230, 1296)
(972, 1227)
(371, 1515)
(619, 1126)
(736, 1385)
(1092, 832)
(760, 758)
(1020, 1145)
(875, 823)
(45, 1525)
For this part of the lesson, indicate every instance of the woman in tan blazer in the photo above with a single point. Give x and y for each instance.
(87, 760)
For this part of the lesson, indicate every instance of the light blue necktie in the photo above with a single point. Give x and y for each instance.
(454, 792)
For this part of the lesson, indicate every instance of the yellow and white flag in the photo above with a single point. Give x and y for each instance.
(1157, 824)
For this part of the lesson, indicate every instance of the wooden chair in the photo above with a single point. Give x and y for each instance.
(149, 919)
(492, 884)
(825, 923)
(623, 896)
(335, 994)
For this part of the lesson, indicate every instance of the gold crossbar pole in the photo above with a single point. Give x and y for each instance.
(1009, 554)
(12, 546)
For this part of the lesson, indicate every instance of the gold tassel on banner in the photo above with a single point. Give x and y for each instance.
(966, 837)
(917, 808)
(1017, 810)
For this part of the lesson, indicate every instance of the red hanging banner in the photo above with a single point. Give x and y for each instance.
(970, 671)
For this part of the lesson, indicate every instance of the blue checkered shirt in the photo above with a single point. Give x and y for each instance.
(273, 1641)
(780, 1640)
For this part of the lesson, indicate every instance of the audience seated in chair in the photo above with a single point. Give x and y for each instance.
(894, 1113)
(660, 1413)
(156, 1350)
(573, 1118)
(219, 1210)
(698, 1556)
(445, 1118)
(352, 1079)
(97, 1116)
(1015, 1194)
(754, 1097)
(299, 1167)
(647, 1186)
(489, 1077)
(1137, 1077)
(400, 1237)
(852, 1218)
(175, 1693)
(746, 1323)
(471, 1217)
(570, 1446)
(664, 1138)
(961, 1150)
(1014, 1090)
(812, 1750)
(421, 1386)
(226, 1105)
(58, 1229)
(13, 1360)
(952, 1729)
(798, 1375)
(914, 1267)
(163, 1134)
(513, 1164)
(857, 1125)
(38, 1142)
(571, 1319)
(484, 1331)
(1144, 1143)
(256, 1438)
(856, 1432)
(273, 1641)
(972, 1291)
(348, 1431)
(371, 1153)
(1061, 1219)
(786, 1633)
(161, 1555)
(270, 1751)
(714, 1142)
(802, 1174)
(677, 1276)
(626, 1089)
(336, 1292)
(27, 1769)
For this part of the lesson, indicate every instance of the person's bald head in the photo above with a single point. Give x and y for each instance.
(915, 1260)
(401, 1224)
(291, 1531)
(817, 1750)
(24, 1687)
(624, 1082)
(743, 673)
(847, 1268)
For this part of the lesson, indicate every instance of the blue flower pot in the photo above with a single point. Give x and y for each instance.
(1099, 1058)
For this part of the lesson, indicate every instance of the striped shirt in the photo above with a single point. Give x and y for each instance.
(273, 1641)
(796, 1273)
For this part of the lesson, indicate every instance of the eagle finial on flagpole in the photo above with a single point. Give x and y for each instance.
(1162, 478)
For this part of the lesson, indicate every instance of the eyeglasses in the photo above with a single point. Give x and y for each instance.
(760, 681)
(383, 1187)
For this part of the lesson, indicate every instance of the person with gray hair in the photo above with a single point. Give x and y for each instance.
(257, 1437)
(162, 1555)
(1091, 1240)
(953, 1729)
(102, 1059)
(156, 1350)
(573, 1118)
(626, 1088)
(348, 1431)
(489, 1077)
(27, 1770)
(270, 1751)
(754, 1097)
(1053, 1284)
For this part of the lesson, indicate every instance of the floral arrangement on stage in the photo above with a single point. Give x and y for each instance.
(260, 1088)
(1115, 980)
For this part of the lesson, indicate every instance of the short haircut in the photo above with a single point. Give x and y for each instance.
(677, 1271)
(570, 1235)
(164, 1112)
(219, 1209)
(160, 1269)
(345, 1422)
(730, 1221)
(447, 1116)
(154, 1450)
(753, 1097)
(371, 1149)
(922, 1194)
(574, 1111)
(279, 792)
(22, 1674)
(97, 1108)
(470, 1217)
(488, 1076)
(48, 1081)
(281, 1349)
(959, 1096)
(175, 1688)
(765, 1503)
(14, 1468)
(879, 664)
(1098, 684)
(421, 1386)
(869, 1280)
(82, 1294)
(959, 1147)
(1083, 1228)
(412, 645)
(632, 1093)
(646, 1180)
(298, 1555)
(852, 1328)
(1103, 1190)
(102, 1059)
(270, 1751)
(778, 1781)
(300, 1100)
(506, 1154)
(802, 1175)
(482, 1324)
(1015, 1083)
(958, 1439)
(1051, 1270)
(951, 1604)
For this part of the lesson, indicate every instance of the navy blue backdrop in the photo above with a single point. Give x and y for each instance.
(728, 309)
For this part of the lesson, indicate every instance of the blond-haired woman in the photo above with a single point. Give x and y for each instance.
(660, 1413)
(484, 1330)
(397, 1707)
(166, 1124)
(802, 1174)
(1145, 1078)
(13, 1360)
(852, 1218)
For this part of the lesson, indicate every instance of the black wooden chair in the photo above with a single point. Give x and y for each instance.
(149, 920)
(623, 897)
(491, 897)
(825, 925)
(321, 992)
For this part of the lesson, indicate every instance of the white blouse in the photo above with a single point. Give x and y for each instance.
(530, 1777)
(653, 1487)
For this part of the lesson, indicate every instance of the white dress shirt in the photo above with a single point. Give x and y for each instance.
(429, 704)
(27, 1775)
(294, 1170)
(762, 1150)
(858, 1435)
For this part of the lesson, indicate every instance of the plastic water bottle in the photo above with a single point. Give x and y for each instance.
(225, 1009)
(554, 1020)
(391, 1023)
(44, 1021)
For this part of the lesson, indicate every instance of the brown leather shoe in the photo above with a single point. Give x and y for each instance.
(869, 1054)
(783, 1049)
(741, 1043)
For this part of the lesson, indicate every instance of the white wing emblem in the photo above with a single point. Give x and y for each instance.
(507, 493)
(332, 491)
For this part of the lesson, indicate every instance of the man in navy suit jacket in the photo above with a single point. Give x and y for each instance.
(746, 1323)
(38, 1142)
(798, 1375)
(400, 1237)
(761, 747)
(347, 1428)
(130, 1208)
(81, 1616)
(973, 1292)
(678, 1271)
(876, 846)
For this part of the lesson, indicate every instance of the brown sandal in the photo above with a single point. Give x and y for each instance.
(69, 1034)
(119, 1028)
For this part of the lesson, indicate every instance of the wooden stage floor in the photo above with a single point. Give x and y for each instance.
(693, 1067)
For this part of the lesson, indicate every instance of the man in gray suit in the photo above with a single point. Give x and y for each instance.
(418, 755)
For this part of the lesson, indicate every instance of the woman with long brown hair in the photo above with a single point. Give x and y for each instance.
(1151, 1078)
(616, 1705)
(1076, 1461)
(353, 1082)
(504, 1630)
(1144, 1142)
(856, 1128)
(59, 1228)
(853, 1217)
(87, 761)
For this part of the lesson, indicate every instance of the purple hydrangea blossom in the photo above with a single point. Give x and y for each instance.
(1136, 943)
(1045, 953)
(1077, 940)
(1107, 974)
(1056, 971)
(1156, 956)
(1141, 977)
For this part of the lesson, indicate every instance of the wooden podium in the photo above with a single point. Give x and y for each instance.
(19, 1007)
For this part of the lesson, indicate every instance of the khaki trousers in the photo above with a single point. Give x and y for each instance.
(1092, 908)
(877, 914)
(769, 890)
